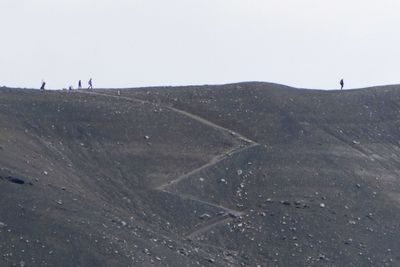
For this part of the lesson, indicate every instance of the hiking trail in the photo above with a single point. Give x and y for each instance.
(243, 143)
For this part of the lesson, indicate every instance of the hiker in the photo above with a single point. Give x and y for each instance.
(341, 84)
(90, 84)
(80, 84)
(43, 85)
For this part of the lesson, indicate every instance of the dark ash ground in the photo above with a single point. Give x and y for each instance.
(250, 174)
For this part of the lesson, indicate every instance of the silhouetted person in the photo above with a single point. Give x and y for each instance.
(43, 85)
(80, 84)
(341, 84)
(90, 84)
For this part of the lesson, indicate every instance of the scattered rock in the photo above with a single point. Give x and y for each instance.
(183, 251)
(205, 216)
(233, 215)
(146, 251)
(14, 180)
(322, 205)
(348, 241)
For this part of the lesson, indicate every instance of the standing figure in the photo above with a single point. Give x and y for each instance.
(43, 85)
(341, 84)
(80, 84)
(90, 84)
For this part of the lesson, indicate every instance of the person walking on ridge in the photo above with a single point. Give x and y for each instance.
(80, 84)
(90, 84)
(341, 84)
(43, 85)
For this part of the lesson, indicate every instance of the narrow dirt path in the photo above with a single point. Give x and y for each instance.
(234, 213)
(213, 161)
(182, 112)
(208, 226)
(215, 126)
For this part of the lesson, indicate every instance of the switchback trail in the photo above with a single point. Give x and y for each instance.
(243, 144)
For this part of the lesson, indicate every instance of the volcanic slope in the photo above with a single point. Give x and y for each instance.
(243, 174)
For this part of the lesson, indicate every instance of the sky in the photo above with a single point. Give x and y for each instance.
(135, 43)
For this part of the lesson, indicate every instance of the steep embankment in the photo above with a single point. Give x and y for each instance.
(85, 164)
(244, 174)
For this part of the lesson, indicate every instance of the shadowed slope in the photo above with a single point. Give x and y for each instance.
(243, 174)
(87, 162)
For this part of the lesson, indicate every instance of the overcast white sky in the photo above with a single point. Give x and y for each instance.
(129, 43)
